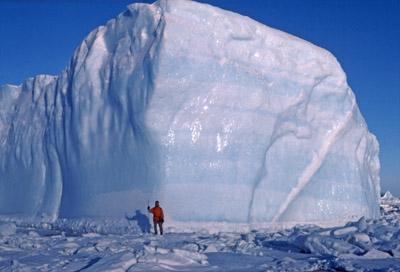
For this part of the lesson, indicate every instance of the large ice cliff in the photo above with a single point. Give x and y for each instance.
(217, 116)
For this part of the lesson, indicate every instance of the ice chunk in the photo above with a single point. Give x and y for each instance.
(117, 262)
(388, 196)
(359, 237)
(376, 254)
(361, 224)
(7, 229)
(217, 116)
(326, 245)
(340, 232)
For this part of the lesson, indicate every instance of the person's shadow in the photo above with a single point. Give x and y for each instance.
(141, 219)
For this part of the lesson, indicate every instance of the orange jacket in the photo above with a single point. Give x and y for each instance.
(158, 213)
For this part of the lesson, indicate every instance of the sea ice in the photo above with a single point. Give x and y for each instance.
(39, 247)
(219, 117)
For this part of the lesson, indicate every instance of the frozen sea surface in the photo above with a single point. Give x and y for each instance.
(360, 245)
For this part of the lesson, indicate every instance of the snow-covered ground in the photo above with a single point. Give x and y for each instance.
(361, 245)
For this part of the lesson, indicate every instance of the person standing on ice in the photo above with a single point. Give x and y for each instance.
(158, 216)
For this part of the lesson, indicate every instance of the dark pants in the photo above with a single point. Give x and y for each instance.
(155, 226)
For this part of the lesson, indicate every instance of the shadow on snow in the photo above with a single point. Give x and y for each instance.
(141, 219)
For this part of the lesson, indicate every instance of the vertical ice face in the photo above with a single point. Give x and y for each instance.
(219, 117)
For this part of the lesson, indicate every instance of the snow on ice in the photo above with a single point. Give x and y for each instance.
(85, 245)
(219, 117)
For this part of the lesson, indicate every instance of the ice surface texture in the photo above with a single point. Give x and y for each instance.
(217, 116)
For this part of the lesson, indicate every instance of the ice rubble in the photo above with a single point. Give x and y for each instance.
(217, 116)
(359, 245)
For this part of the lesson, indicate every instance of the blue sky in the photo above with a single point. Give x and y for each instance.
(39, 37)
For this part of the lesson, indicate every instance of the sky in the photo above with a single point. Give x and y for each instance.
(40, 36)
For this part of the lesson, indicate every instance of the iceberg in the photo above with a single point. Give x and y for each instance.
(217, 116)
